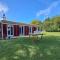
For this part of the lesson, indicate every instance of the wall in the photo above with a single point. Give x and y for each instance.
(16, 30)
(4, 30)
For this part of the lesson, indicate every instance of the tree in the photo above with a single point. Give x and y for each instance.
(37, 22)
(57, 22)
(52, 24)
(49, 24)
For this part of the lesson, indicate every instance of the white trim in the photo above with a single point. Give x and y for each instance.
(30, 29)
(10, 30)
(37, 28)
(21, 33)
(23, 29)
(7, 31)
(13, 29)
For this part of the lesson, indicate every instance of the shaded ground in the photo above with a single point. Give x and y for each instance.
(47, 48)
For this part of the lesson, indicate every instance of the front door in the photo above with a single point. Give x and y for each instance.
(9, 31)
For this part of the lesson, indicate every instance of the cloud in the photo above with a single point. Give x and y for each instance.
(3, 7)
(47, 11)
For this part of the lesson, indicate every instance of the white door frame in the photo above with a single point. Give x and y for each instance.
(9, 29)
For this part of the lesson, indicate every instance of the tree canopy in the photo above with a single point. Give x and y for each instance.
(37, 22)
(49, 24)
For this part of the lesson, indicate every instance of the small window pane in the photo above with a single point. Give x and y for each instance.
(11, 30)
(8, 32)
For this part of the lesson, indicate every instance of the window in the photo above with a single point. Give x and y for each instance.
(30, 29)
(8, 27)
(8, 32)
(11, 30)
(22, 31)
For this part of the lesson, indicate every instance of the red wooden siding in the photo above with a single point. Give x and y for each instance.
(16, 30)
(4, 30)
(33, 29)
(26, 30)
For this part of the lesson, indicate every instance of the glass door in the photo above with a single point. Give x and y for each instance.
(10, 31)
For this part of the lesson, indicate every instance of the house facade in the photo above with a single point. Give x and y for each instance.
(14, 29)
(9, 29)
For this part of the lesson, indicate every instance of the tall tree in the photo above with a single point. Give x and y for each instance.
(52, 24)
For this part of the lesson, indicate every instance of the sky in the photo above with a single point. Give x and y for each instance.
(27, 10)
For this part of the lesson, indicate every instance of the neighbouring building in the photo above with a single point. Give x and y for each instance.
(13, 29)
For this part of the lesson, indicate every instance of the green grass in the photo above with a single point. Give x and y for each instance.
(47, 48)
(52, 33)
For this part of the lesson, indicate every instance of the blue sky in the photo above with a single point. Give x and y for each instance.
(27, 10)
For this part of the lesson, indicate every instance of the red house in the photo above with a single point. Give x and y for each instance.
(13, 29)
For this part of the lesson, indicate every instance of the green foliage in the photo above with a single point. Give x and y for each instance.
(49, 24)
(37, 22)
(52, 24)
(23, 48)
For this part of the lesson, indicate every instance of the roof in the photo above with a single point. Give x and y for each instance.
(9, 22)
(20, 24)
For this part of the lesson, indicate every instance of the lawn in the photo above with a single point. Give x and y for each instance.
(47, 48)
(52, 33)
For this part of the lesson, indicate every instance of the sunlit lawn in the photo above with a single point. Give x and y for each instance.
(47, 48)
(52, 33)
